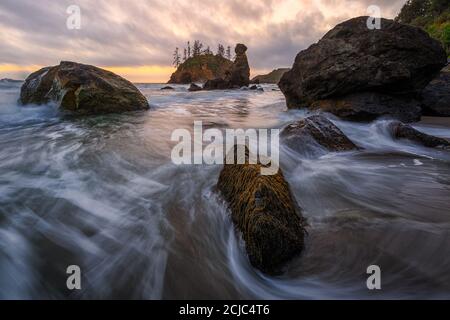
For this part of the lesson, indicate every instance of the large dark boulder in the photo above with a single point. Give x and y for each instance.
(397, 60)
(265, 212)
(82, 89)
(316, 130)
(404, 131)
(436, 96)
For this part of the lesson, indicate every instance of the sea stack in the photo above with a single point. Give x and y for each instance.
(237, 76)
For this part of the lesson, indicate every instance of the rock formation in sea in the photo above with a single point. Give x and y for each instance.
(316, 130)
(193, 87)
(201, 68)
(362, 74)
(403, 131)
(82, 89)
(265, 212)
(237, 76)
(436, 96)
(272, 77)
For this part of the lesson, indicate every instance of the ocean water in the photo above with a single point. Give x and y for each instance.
(101, 192)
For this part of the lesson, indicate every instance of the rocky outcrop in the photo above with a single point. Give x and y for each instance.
(404, 131)
(201, 68)
(82, 89)
(316, 130)
(436, 96)
(265, 212)
(193, 87)
(216, 84)
(237, 76)
(397, 61)
(273, 77)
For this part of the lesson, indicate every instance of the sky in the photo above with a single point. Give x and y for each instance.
(136, 38)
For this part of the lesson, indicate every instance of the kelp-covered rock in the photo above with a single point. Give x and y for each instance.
(316, 129)
(436, 96)
(404, 131)
(82, 89)
(397, 60)
(265, 212)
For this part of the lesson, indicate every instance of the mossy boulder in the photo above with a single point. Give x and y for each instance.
(82, 89)
(265, 212)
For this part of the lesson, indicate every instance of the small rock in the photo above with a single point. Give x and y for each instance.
(167, 88)
(316, 129)
(404, 131)
(193, 87)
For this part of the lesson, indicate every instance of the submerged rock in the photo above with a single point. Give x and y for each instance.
(404, 131)
(193, 87)
(397, 60)
(436, 96)
(316, 129)
(82, 89)
(167, 88)
(265, 212)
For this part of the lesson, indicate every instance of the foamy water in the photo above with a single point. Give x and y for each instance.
(101, 192)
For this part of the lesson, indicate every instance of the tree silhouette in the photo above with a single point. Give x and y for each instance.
(176, 58)
(220, 50)
(184, 55)
(228, 53)
(197, 49)
(188, 49)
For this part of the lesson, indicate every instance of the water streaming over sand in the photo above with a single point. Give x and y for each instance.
(101, 192)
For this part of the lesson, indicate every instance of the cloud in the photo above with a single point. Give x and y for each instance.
(142, 33)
